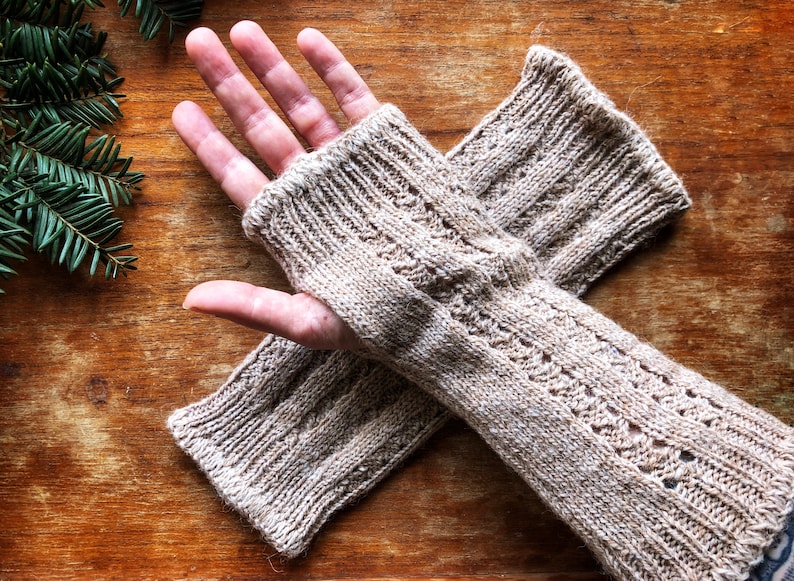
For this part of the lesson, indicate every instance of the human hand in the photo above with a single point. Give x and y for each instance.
(298, 317)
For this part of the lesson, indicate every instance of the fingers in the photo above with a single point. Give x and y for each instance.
(270, 137)
(300, 318)
(303, 110)
(349, 89)
(239, 178)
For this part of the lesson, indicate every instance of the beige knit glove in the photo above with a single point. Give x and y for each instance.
(296, 434)
(662, 473)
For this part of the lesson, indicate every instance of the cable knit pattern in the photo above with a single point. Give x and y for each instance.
(596, 188)
(662, 473)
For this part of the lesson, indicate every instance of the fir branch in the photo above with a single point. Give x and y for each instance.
(154, 13)
(63, 152)
(75, 91)
(59, 180)
(35, 41)
(68, 223)
(57, 71)
(46, 12)
(13, 237)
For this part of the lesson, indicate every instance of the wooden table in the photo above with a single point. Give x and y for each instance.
(91, 483)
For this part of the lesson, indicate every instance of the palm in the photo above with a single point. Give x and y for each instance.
(298, 317)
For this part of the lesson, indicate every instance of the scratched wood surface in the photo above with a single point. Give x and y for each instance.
(91, 484)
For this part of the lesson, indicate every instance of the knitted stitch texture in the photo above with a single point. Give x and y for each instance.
(662, 473)
(294, 434)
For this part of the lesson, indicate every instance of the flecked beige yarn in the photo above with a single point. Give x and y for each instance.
(599, 189)
(660, 472)
(295, 434)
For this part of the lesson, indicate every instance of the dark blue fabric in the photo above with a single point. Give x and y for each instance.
(778, 564)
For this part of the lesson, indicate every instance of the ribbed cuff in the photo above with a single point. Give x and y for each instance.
(558, 165)
(294, 435)
(336, 197)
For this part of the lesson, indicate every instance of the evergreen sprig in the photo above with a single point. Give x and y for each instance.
(69, 223)
(61, 175)
(79, 91)
(64, 153)
(154, 13)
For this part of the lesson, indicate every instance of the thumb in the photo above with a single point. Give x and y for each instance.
(297, 317)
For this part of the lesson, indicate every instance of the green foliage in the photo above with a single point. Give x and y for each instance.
(69, 224)
(154, 13)
(61, 176)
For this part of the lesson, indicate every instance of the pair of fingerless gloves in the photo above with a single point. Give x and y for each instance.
(459, 275)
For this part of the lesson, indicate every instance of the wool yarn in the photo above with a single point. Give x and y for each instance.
(662, 473)
(294, 434)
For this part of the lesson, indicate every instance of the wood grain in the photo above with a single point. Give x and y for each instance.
(91, 484)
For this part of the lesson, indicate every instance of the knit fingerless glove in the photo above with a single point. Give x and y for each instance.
(295, 434)
(662, 473)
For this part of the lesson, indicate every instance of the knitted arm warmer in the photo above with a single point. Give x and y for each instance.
(295, 434)
(662, 473)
